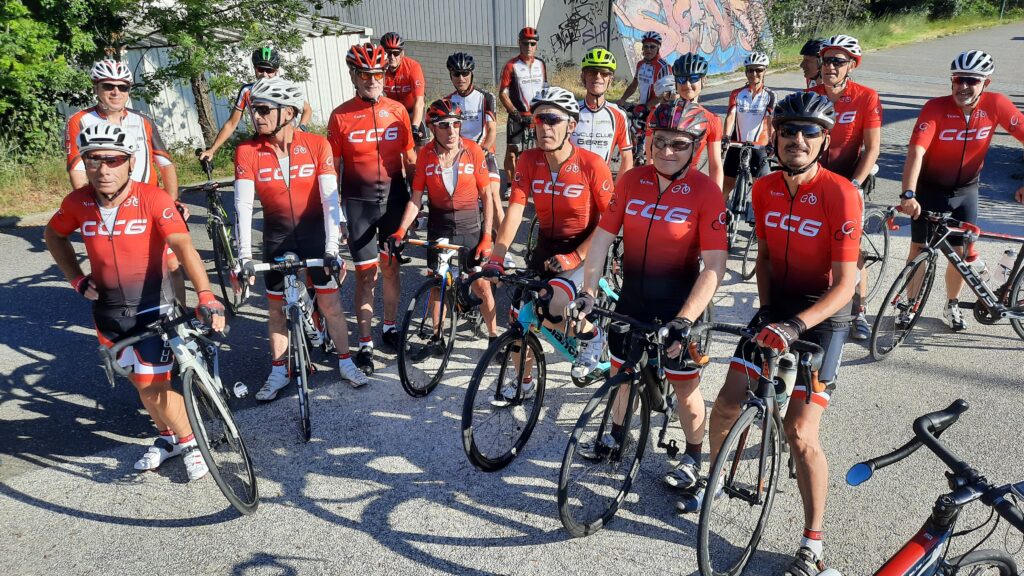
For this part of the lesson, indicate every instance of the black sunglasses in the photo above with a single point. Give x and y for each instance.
(110, 87)
(789, 131)
(265, 70)
(692, 79)
(530, 43)
(837, 62)
(550, 119)
(677, 145)
(461, 72)
(262, 110)
(967, 80)
(393, 52)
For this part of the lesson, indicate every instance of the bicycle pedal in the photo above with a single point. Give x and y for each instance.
(967, 305)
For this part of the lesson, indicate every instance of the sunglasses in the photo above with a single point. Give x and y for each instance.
(93, 162)
(967, 80)
(262, 110)
(364, 75)
(460, 73)
(530, 43)
(261, 70)
(449, 124)
(692, 79)
(833, 61)
(651, 46)
(677, 145)
(755, 70)
(110, 87)
(393, 52)
(599, 72)
(789, 131)
(550, 119)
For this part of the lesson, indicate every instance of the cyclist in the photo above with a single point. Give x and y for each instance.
(404, 82)
(810, 61)
(808, 232)
(266, 63)
(946, 154)
(112, 83)
(602, 126)
(372, 142)
(570, 188)
(452, 170)
(126, 226)
(522, 78)
(479, 121)
(655, 206)
(689, 71)
(651, 68)
(665, 88)
(292, 173)
(749, 121)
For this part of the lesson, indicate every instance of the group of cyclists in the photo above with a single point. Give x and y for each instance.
(386, 150)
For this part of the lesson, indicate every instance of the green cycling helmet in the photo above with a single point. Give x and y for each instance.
(598, 58)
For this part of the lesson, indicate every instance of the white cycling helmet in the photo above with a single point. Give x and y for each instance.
(558, 97)
(665, 84)
(110, 70)
(278, 91)
(756, 59)
(974, 62)
(847, 44)
(104, 136)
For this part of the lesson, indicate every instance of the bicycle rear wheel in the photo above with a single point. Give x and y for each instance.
(426, 338)
(874, 249)
(223, 449)
(222, 260)
(613, 264)
(899, 311)
(1016, 300)
(532, 237)
(503, 401)
(749, 261)
(301, 369)
(983, 563)
(596, 473)
(739, 494)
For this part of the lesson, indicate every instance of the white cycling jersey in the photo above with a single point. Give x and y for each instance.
(602, 130)
(478, 108)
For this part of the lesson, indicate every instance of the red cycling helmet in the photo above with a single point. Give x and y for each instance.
(443, 109)
(528, 33)
(366, 57)
(392, 41)
(681, 116)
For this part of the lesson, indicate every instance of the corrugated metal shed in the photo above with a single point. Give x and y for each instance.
(446, 21)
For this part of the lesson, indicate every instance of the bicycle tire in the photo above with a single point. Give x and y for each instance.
(896, 302)
(1015, 299)
(619, 472)
(222, 265)
(734, 451)
(513, 424)
(532, 237)
(300, 366)
(224, 452)
(968, 564)
(420, 377)
(613, 269)
(874, 250)
(748, 264)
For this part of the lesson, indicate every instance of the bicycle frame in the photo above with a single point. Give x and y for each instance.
(527, 319)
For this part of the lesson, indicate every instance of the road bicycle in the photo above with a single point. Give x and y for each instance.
(636, 114)
(925, 553)
(740, 489)
(874, 246)
(906, 299)
(506, 392)
(741, 209)
(432, 320)
(613, 269)
(207, 405)
(305, 328)
(219, 229)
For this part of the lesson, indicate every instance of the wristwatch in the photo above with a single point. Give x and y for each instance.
(907, 195)
(856, 183)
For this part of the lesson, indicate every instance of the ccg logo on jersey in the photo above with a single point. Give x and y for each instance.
(809, 198)
(121, 227)
(922, 127)
(791, 223)
(657, 213)
(299, 149)
(271, 174)
(389, 134)
(720, 222)
(680, 189)
(847, 230)
(955, 134)
(434, 169)
(848, 117)
(557, 189)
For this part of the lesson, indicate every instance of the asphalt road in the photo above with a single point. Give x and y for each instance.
(384, 486)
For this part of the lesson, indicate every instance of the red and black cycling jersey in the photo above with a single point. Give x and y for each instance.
(454, 211)
(663, 233)
(805, 233)
(405, 84)
(955, 146)
(128, 249)
(370, 138)
(857, 109)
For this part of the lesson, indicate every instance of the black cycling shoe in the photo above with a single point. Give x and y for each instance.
(433, 348)
(805, 563)
(390, 337)
(364, 360)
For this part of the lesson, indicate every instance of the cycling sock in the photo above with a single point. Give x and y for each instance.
(279, 365)
(187, 439)
(342, 356)
(389, 326)
(813, 541)
(694, 452)
(169, 436)
(366, 342)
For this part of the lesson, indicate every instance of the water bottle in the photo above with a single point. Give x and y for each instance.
(1005, 267)
(785, 378)
(315, 336)
(979, 267)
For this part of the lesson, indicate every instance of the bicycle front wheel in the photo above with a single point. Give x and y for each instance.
(739, 494)
(222, 260)
(613, 269)
(874, 250)
(1016, 300)
(220, 444)
(532, 238)
(503, 401)
(983, 563)
(901, 310)
(426, 338)
(749, 261)
(602, 458)
(301, 369)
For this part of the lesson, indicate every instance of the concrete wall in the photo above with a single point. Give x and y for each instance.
(433, 55)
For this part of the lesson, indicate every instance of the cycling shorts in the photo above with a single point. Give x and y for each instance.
(466, 260)
(370, 224)
(274, 281)
(962, 202)
(758, 161)
(492, 167)
(515, 132)
(675, 370)
(829, 335)
(151, 359)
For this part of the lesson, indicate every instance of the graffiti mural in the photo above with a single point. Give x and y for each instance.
(569, 28)
(723, 31)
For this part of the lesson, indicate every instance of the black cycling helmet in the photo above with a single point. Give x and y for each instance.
(805, 106)
(690, 64)
(461, 62)
(392, 41)
(266, 57)
(812, 47)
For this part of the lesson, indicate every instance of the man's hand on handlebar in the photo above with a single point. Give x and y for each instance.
(678, 336)
(583, 305)
(779, 336)
(334, 267)
(211, 311)
(244, 272)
